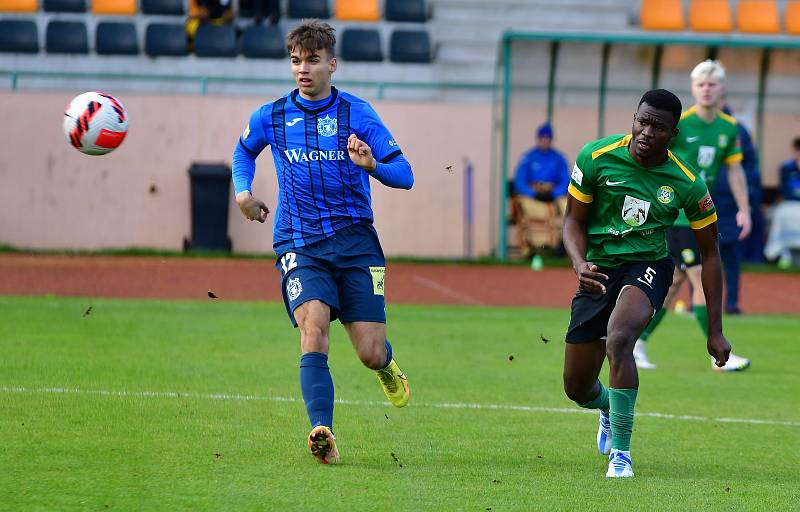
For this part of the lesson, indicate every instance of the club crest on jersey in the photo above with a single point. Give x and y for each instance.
(634, 211)
(294, 288)
(326, 126)
(665, 194)
(723, 140)
(705, 155)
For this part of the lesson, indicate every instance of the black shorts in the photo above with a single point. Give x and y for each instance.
(591, 311)
(683, 247)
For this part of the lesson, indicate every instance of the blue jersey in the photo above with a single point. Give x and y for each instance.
(320, 190)
(542, 166)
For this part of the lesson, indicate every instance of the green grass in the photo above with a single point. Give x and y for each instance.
(85, 450)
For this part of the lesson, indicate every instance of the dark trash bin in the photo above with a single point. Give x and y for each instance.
(211, 196)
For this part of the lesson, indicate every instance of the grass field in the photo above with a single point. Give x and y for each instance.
(147, 405)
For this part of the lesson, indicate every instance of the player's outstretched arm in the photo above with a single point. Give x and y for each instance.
(738, 186)
(252, 207)
(575, 243)
(718, 346)
(396, 173)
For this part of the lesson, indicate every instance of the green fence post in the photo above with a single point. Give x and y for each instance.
(502, 233)
(763, 71)
(655, 75)
(551, 80)
(601, 94)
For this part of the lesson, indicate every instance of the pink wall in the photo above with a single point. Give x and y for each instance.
(51, 196)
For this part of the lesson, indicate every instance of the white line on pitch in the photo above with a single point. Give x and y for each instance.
(502, 407)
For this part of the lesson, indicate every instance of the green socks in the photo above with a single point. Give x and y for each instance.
(653, 324)
(622, 403)
(600, 401)
(701, 314)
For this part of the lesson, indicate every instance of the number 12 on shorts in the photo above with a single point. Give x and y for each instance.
(648, 276)
(288, 262)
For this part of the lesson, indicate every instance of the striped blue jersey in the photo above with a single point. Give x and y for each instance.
(320, 190)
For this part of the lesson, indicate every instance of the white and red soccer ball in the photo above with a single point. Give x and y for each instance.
(95, 123)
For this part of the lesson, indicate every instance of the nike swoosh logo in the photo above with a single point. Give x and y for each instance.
(402, 376)
(294, 121)
(692, 139)
(612, 183)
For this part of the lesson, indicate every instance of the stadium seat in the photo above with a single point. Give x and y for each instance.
(120, 7)
(66, 37)
(662, 15)
(758, 16)
(165, 7)
(792, 17)
(165, 39)
(410, 46)
(116, 38)
(263, 42)
(65, 5)
(359, 44)
(358, 10)
(18, 6)
(19, 36)
(710, 16)
(406, 10)
(309, 9)
(215, 41)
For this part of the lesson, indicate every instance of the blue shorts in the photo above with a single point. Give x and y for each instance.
(346, 271)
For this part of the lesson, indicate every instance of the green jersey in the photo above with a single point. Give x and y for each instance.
(633, 205)
(706, 147)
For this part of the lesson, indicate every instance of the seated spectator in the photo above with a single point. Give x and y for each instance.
(784, 234)
(266, 9)
(215, 12)
(540, 188)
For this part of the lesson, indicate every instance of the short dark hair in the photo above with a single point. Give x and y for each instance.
(796, 143)
(310, 36)
(662, 99)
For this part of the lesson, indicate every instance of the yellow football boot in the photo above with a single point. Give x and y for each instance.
(394, 384)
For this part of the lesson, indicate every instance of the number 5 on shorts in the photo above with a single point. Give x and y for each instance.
(649, 274)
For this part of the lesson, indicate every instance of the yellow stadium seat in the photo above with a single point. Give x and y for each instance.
(710, 16)
(358, 10)
(758, 16)
(18, 6)
(792, 18)
(121, 7)
(662, 15)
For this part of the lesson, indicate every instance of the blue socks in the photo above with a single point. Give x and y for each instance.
(388, 354)
(317, 387)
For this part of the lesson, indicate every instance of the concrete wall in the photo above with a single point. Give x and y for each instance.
(51, 196)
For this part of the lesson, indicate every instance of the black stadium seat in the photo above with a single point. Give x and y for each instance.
(406, 10)
(360, 44)
(19, 36)
(66, 37)
(65, 5)
(116, 38)
(309, 9)
(410, 46)
(263, 42)
(215, 41)
(165, 39)
(167, 7)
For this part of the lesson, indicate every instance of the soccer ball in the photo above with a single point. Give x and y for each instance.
(95, 123)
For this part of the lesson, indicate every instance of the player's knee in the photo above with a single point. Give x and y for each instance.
(313, 339)
(619, 344)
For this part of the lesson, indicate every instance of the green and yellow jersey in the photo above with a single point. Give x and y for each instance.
(633, 205)
(706, 147)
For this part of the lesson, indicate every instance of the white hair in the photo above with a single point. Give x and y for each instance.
(709, 68)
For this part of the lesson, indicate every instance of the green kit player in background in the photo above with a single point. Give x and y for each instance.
(624, 192)
(708, 141)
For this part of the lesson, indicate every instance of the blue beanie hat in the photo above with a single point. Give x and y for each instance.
(545, 131)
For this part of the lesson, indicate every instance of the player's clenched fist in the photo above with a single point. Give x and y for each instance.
(360, 153)
(252, 208)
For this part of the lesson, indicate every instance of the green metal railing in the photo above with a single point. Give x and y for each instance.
(607, 40)
(204, 81)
